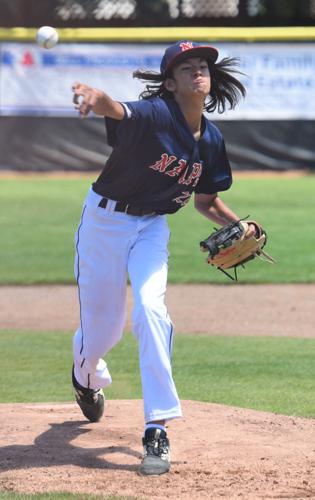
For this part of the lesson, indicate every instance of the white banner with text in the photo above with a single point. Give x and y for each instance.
(279, 77)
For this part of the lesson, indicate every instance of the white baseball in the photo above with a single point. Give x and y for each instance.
(47, 37)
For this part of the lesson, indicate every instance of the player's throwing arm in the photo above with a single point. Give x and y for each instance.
(87, 99)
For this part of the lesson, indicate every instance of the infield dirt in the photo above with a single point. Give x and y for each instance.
(272, 310)
(217, 451)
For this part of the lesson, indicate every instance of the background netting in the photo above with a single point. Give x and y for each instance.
(156, 12)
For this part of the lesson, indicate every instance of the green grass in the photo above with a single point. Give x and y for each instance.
(271, 374)
(38, 219)
(282, 205)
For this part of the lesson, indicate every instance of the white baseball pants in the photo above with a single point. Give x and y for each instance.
(110, 246)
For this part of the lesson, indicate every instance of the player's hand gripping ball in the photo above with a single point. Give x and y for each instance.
(47, 37)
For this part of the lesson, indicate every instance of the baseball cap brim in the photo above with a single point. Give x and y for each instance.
(206, 52)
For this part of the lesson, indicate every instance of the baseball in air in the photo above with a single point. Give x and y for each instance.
(47, 37)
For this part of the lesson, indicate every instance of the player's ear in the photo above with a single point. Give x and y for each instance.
(169, 84)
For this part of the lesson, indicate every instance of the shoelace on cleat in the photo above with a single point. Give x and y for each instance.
(157, 447)
(89, 396)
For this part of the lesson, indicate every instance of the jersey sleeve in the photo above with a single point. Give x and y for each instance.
(216, 175)
(138, 118)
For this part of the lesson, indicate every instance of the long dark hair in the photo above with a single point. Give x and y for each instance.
(225, 88)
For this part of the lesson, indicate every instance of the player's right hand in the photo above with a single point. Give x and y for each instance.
(85, 97)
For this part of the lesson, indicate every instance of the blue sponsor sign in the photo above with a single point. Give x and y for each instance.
(103, 61)
(279, 77)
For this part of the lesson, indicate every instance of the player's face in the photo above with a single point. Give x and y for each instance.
(191, 77)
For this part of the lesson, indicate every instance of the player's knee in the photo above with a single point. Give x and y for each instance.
(148, 309)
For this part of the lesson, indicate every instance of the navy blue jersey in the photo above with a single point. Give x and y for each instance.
(156, 163)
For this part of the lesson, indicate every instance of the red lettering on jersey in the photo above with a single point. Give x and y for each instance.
(183, 199)
(194, 175)
(178, 169)
(183, 177)
(186, 46)
(162, 164)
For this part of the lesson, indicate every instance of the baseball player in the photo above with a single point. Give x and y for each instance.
(164, 149)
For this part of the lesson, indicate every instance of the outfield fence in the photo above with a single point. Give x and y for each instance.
(273, 128)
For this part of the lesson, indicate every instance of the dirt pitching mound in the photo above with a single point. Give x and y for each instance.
(217, 451)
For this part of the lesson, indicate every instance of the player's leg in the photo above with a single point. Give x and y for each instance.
(154, 331)
(100, 268)
(152, 325)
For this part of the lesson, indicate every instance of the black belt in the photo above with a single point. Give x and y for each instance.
(127, 208)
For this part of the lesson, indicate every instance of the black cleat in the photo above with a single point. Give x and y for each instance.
(91, 401)
(156, 453)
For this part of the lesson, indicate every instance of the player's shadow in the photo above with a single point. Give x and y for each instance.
(54, 447)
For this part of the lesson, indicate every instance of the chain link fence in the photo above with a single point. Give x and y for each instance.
(62, 13)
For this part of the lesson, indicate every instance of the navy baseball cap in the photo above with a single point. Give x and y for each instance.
(182, 50)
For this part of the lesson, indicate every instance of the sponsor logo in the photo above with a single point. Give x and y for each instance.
(27, 59)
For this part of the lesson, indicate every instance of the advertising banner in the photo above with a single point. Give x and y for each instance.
(279, 77)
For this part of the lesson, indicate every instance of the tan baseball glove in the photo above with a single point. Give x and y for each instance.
(229, 247)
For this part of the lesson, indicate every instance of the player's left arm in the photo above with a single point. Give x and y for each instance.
(212, 207)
